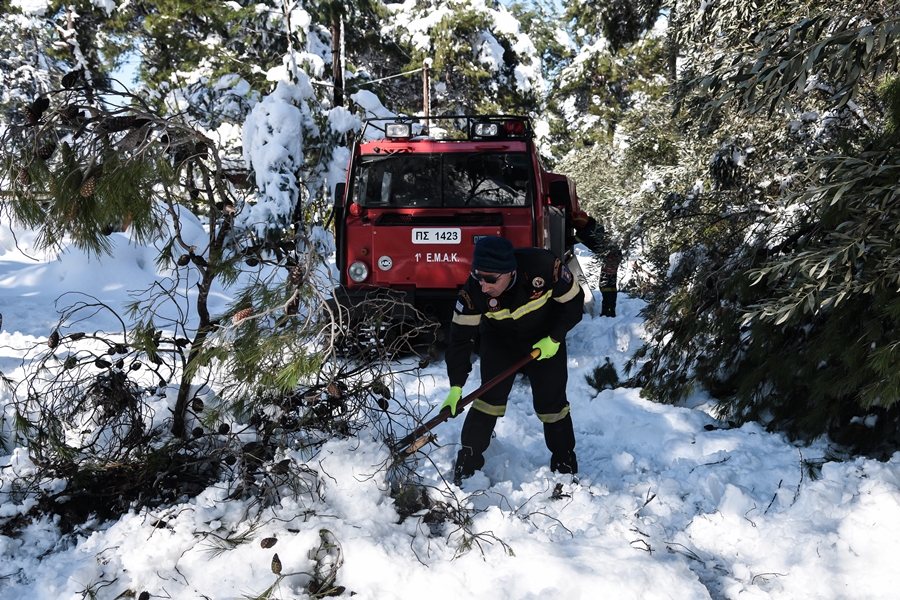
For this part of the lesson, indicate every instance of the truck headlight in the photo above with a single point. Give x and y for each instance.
(358, 271)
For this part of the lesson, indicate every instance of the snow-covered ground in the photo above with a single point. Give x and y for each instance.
(668, 502)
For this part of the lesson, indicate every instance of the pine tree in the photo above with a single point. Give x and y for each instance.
(608, 74)
(479, 66)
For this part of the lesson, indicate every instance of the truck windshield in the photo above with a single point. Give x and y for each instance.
(451, 180)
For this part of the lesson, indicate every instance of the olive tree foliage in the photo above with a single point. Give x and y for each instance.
(776, 270)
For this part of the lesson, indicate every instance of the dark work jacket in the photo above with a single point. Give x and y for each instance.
(544, 300)
(593, 235)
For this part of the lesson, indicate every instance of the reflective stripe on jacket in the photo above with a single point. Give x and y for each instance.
(543, 300)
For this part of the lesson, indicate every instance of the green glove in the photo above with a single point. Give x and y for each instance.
(452, 398)
(547, 347)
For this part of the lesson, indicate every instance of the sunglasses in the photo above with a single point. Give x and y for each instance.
(490, 279)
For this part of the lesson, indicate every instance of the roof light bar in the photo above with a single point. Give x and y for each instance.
(486, 130)
(398, 130)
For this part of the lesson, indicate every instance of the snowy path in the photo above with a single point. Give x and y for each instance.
(666, 505)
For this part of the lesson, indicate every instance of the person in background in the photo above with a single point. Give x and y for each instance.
(519, 300)
(592, 234)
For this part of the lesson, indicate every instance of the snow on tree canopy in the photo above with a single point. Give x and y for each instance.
(340, 121)
(31, 7)
(419, 26)
(273, 148)
(371, 104)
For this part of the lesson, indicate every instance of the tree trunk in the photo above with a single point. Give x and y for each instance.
(337, 67)
(206, 326)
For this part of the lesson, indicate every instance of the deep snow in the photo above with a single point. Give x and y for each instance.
(669, 503)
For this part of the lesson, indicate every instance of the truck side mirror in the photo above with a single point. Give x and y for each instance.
(339, 190)
(559, 193)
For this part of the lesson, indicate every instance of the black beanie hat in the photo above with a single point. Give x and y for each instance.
(494, 255)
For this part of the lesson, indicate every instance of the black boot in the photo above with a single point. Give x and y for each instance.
(474, 439)
(560, 437)
(608, 307)
(466, 465)
(564, 462)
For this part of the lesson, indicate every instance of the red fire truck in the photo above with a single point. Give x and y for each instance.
(419, 194)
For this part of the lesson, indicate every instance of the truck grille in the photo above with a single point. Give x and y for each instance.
(479, 219)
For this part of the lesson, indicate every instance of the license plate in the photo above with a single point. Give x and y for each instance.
(436, 235)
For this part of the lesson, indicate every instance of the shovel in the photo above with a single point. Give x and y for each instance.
(421, 435)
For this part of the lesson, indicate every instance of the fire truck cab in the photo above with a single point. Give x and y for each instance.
(420, 192)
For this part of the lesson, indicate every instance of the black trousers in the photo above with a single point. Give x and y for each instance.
(548, 380)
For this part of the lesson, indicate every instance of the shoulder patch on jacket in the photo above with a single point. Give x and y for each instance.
(566, 275)
(464, 297)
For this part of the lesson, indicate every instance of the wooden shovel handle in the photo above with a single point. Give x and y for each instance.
(418, 437)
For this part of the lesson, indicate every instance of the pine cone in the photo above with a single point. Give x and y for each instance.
(145, 595)
(114, 124)
(238, 178)
(297, 275)
(87, 188)
(35, 111)
(268, 542)
(53, 340)
(24, 178)
(40, 104)
(102, 364)
(276, 564)
(241, 315)
(134, 138)
(71, 78)
(46, 151)
(201, 149)
(75, 336)
(183, 260)
(68, 112)
(199, 261)
(293, 306)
